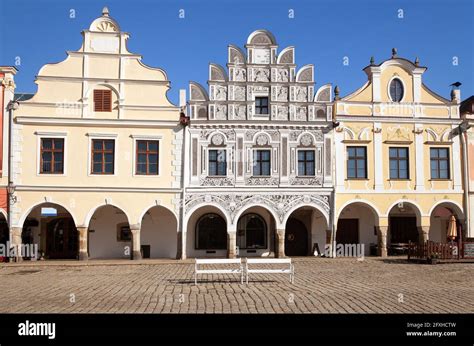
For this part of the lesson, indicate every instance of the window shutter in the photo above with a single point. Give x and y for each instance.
(102, 100)
(107, 101)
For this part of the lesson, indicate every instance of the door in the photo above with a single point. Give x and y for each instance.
(61, 239)
(403, 229)
(296, 238)
(347, 231)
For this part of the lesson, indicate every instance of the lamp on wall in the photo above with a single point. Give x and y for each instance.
(11, 188)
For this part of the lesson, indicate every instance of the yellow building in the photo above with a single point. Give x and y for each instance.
(398, 167)
(97, 164)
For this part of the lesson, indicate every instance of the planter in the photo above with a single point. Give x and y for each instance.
(433, 260)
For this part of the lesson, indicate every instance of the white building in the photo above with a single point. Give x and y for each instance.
(258, 162)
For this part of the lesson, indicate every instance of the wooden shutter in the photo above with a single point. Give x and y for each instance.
(102, 100)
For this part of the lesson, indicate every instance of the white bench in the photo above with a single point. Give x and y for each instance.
(286, 267)
(238, 268)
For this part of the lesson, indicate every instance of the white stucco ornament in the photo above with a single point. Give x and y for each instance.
(306, 140)
(262, 140)
(217, 139)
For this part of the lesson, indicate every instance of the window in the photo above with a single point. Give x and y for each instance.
(52, 156)
(261, 105)
(305, 162)
(147, 157)
(356, 162)
(261, 162)
(217, 162)
(396, 90)
(123, 232)
(102, 100)
(439, 158)
(103, 152)
(211, 233)
(251, 232)
(398, 163)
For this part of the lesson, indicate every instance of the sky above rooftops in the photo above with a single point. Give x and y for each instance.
(338, 37)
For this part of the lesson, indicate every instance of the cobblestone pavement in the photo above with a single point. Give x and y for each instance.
(341, 285)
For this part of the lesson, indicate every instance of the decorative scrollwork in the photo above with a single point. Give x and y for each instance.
(280, 204)
(216, 181)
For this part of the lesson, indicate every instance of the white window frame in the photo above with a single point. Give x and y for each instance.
(226, 162)
(297, 162)
(44, 135)
(134, 154)
(261, 94)
(404, 89)
(93, 136)
(252, 163)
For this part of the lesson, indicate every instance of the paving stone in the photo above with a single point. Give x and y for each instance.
(340, 285)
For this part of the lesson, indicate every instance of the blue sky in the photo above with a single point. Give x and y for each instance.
(323, 32)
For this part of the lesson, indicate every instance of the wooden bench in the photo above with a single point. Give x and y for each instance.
(237, 268)
(285, 267)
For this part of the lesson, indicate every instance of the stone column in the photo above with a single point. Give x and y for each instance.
(231, 244)
(15, 233)
(280, 243)
(83, 239)
(424, 232)
(136, 250)
(382, 232)
(328, 246)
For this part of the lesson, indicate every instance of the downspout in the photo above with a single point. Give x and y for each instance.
(184, 121)
(463, 139)
(12, 105)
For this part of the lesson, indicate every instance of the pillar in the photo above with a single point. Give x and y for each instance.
(328, 247)
(136, 250)
(15, 236)
(83, 239)
(231, 244)
(280, 243)
(382, 232)
(424, 232)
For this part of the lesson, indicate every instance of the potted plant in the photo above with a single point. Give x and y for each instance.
(433, 258)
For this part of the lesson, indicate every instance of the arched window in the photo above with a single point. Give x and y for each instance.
(396, 90)
(211, 233)
(251, 232)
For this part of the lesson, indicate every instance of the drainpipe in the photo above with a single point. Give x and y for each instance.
(12, 105)
(463, 127)
(184, 121)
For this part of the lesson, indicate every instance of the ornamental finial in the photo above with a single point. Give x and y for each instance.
(105, 11)
(336, 93)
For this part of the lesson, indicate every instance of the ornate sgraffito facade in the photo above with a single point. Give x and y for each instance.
(398, 173)
(93, 149)
(259, 143)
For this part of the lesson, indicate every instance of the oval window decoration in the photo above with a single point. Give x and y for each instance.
(396, 90)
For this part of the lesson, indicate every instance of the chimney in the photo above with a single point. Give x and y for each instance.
(456, 95)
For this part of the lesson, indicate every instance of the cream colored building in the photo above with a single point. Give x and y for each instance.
(398, 168)
(97, 163)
